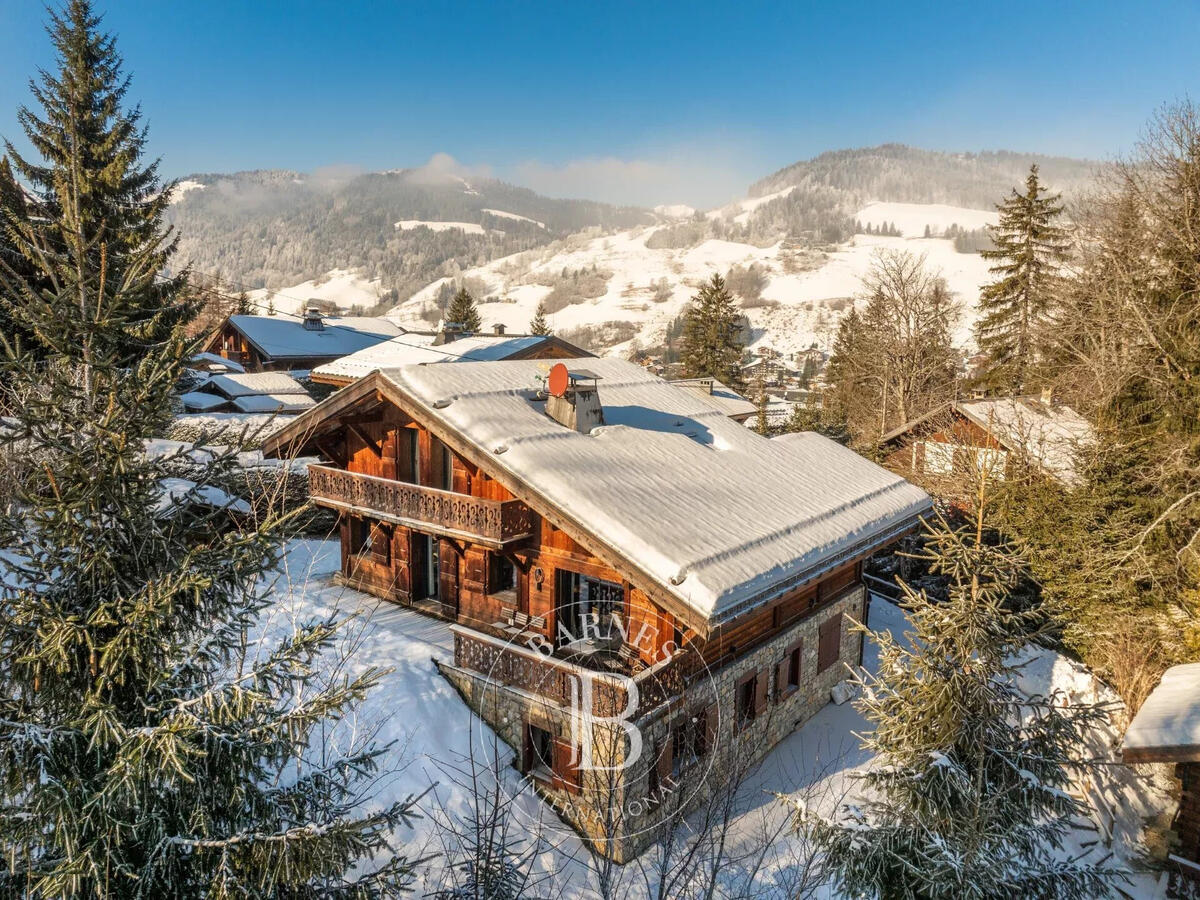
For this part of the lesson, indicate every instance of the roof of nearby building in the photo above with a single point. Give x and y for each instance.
(282, 337)
(1048, 434)
(416, 348)
(721, 396)
(202, 401)
(215, 362)
(259, 403)
(1167, 727)
(717, 518)
(244, 385)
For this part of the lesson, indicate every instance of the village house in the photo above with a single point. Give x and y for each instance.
(246, 392)
(994, 435)
(615, 554)
(290, 342)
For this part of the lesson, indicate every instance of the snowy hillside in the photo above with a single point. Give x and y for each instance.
(339, 287)
(635, 291)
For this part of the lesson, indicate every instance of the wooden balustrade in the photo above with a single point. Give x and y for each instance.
(490, 522)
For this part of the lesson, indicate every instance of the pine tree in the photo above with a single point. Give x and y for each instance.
(971, 794)
(538, 324)
(152, 742)
(761, 424)
(462, 311)
(711, 346)
(242, 306)
(81, 104)
(1029, 247)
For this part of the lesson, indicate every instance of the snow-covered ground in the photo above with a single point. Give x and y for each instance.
(913, 218)
(507, 215)
(467, 227)
(343, 288)
(434, 730)
(804, 299)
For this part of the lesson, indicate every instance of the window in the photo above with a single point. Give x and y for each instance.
(829, 649)
(360, 536)
(687, 741)
(585, 607)
(746, 690)
(408, 455)
(371, 539)
(793, 667)
(502, 574)
(426, 566)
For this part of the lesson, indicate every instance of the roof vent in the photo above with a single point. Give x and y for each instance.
(498, 328)
(573, 400)
(313, 320)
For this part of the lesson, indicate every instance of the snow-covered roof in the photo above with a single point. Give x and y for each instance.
(258, 403)
(201, 401)
(413, 349)
(723, 397)
(1167, 727)
(233, 386)
(720, 518)
(281, 337)
(1048, 434)
(214, 359)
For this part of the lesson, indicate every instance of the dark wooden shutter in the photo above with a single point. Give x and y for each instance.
(830, 646)
(710, 721)
(566, 770)
(665, 762)
(781, 674)
(527, 749)
(761, 684)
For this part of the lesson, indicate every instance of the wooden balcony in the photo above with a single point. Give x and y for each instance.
(492, 523)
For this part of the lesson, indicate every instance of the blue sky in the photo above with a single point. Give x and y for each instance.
(631, 102)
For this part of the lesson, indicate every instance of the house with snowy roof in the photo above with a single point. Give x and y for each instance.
(995, 435)
(635, 582)
(247, 392)
(444, 345)
(287, 342)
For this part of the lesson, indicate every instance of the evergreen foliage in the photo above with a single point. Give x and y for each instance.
(711, 329)
(462, 311)
(538, 324)
(972, 794)
(1029, 249)
(153, 741)
(761, 425)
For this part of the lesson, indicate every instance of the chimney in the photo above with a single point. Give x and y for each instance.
(313, 321)
(498, 328)
(448, 333)
(578, 406)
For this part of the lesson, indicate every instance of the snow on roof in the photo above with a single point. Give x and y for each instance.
(257, 403)
(1167, 727)
(723, 397)
(217, 360)
(718, 516)
(200, 401)
(281, 336)
(233, 386)
(414, 349)
(175, 491)
(1048, 434)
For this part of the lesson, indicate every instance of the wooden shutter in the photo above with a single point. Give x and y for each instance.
(710, 721)
(665, 763)
(830, 646)
(781, 673)
(566, 770)
(527, 749)
(761, 684)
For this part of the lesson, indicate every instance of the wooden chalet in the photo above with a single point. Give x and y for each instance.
(993, 435)
(606, 527)
(282, 342)
(1167, 730)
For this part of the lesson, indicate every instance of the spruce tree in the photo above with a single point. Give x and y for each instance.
(462, 311)
(155, 739)
(761, 424)
(538, 324)
(91, 151)
(711, 346)
(1029, 247)
(970, 797)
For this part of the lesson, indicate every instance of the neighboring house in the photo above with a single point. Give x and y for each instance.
(254, 392)
(721, 396)
(966, 434)
(444, 346)
(603, 533)
(285, 342)
(1167, 730)
(769, 366)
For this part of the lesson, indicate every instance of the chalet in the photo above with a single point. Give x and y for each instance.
(601, 533)
(283, 342)
(770, 367)
(1167, 730)
(253, 392)
(993, 434)
(445, 345)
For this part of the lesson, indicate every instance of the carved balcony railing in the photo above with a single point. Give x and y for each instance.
(490, 522)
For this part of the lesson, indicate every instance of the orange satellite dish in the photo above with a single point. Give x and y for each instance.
(557, 382)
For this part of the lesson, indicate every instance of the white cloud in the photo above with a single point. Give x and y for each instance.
(681, 178)
(442, 167)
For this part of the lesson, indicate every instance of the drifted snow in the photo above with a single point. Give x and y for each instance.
(716, 514)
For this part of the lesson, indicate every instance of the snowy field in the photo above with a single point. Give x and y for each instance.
(341, 287)
(433, 732)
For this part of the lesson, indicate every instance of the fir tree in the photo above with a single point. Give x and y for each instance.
(91, 148)
(462, 311)
(151, 745)
(761, 424)
(538, 324)
(711, 346)
(1028, 249)
(971, 797)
